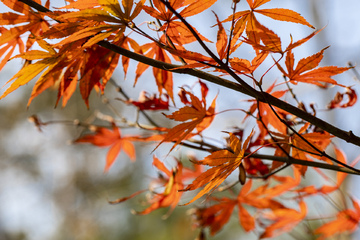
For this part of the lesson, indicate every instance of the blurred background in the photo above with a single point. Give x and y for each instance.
(52, 189)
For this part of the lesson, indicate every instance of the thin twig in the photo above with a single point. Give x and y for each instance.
(291, 91)
(231, 33)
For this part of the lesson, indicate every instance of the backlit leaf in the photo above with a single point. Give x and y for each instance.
(104, 138)
(223, 163)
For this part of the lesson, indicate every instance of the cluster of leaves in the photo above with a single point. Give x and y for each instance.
(82, 43)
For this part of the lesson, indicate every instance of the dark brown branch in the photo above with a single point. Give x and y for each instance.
(304, 163)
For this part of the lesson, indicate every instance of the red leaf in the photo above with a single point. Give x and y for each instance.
(104, 138)
(147, 102)
(338, 99)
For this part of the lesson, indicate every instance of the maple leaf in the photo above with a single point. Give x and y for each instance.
(96, 21)
(305, 72)
(163, 78)
(96, 66)
(255, 166)
(243, 66)
(221, 43)
(216, 216)
(300, 148)
(223, 163)
(104, 138)
(271, 41)
(296, 44)
(286, 183)
(340, 177)
(284, 220)
(171, 196)
(246, 20)
(200, 118)
(99, 65)
(338, 99)
(279, 14)
(147, 102)
(28, 20)
(173, 182)
(346, 221)
(267, 114)
(9, 48)
(259, 198)
(176, 30)
(81, 4)
(91, 67)
(50, 59)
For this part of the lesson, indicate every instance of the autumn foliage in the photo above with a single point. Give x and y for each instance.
(80, 45)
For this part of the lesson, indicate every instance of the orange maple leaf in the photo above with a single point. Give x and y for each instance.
(259, 198)
(216, 216)
(223, 163)
(346, 220)
(176, 30)
(286, 183)
(300, 149)
(271, 41)
(173, 182)
(25, 20)
(50, 58)
(340, 177)
(200, 118)
(81, 4)
(104, 138)
(243, 66)
(99, 65)
(96, 21)
(267, 114)
(284, 220)
(9, 48)
(163, 78)
(305, 72)
(256, 31)
(279, 14)
(29, 20)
